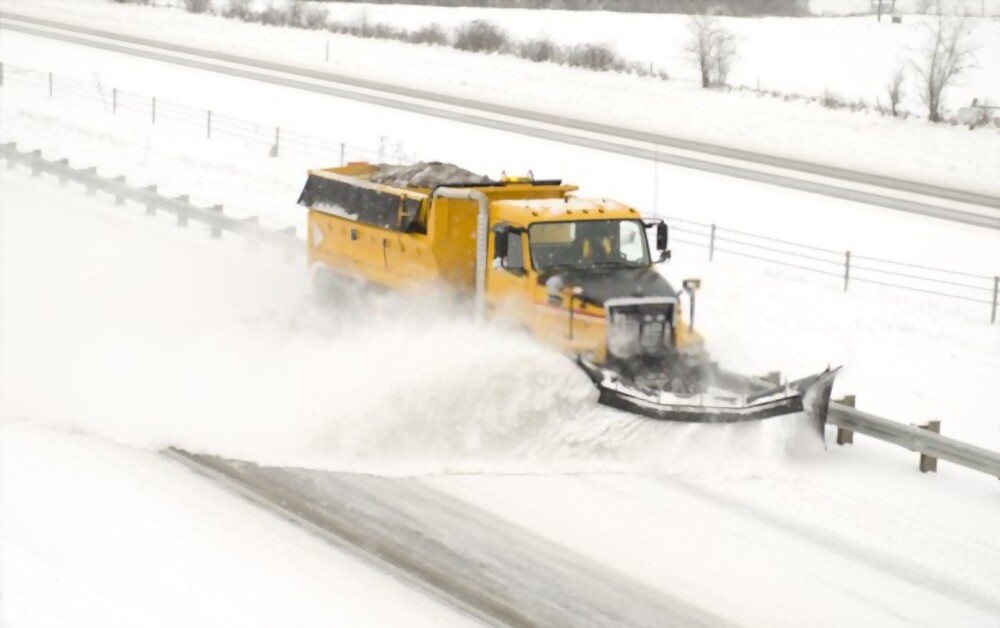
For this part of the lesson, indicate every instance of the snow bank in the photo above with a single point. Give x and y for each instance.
(95, 535)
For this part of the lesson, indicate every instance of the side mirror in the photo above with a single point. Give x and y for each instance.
(661, 236)
(501, 236)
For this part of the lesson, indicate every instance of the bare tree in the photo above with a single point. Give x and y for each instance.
(713, 48)
(946, 54)
(894, 88)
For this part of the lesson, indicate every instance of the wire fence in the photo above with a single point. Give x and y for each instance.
(272, 139)
(847, 267)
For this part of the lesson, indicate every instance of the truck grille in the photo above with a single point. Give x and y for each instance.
(640, 328)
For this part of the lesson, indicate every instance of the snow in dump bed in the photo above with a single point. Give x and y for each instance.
(93, 534)
(850, 57)
(424, 174)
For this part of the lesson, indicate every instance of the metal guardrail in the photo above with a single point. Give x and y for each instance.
(213, 217)
(911, 437)
(907, 436)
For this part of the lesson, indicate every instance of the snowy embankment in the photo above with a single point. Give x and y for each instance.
(96, 535)
(909, 149)
(160, 336)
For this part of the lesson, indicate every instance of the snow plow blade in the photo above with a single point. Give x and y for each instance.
(810, 395)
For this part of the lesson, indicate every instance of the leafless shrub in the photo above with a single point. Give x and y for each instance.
(432, 34)
(944, 57)
(593, 57)
(713, 48)
(197, 6)
(831, 100)
(237, 10)
(480, 36)
(313, 18)
(894, 89)
(538, 50)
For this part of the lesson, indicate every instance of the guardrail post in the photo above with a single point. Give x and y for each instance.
(62, 171)
(114, 100)
(36, 166)
(929, 463)
(182, 217)
(11, 163)
(277, 142)
(711, 244)
(119, 199)
(154, 109)
(847, 269)
(253, 234)
(151, 205)
(89, 183)
(342, 162)
(327, 58)
(208, 125)
(216, 230)
(50, 85)
(846, 436)
(996, 293)
(1, 73)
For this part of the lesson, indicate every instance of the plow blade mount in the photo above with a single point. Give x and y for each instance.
(810, 395)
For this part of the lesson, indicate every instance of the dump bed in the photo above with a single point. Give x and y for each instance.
(386, 224)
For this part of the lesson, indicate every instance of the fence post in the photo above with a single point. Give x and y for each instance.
(154, 109)
(846, 436)
(847, 269)
(50, 85)
(1, 73)
(114, 100)
(216, 230)
(182, 217)
(277, 142)
(328, 51)
(996, 293)
(151, 205)
(208, 125)
(929, 463)
(711, 244)
(342, 162)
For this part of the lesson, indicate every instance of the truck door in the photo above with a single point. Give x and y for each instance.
(508, 287)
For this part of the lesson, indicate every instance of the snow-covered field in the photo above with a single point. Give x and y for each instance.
(910, 149)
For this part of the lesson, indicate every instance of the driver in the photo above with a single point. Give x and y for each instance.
(595, 247)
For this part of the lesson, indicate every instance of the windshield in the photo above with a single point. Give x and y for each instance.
(588, 243)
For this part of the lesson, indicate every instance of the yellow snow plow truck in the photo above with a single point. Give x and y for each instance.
(579, 274)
